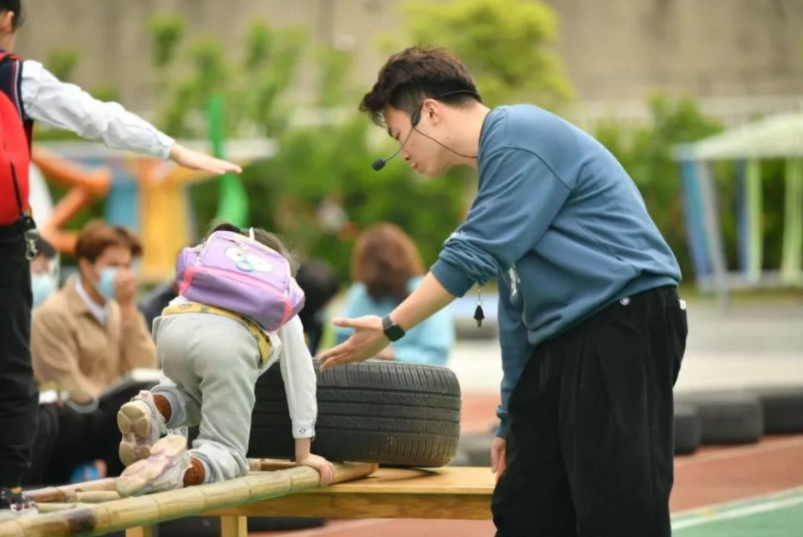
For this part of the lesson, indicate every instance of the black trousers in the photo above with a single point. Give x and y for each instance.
(18, 393)
(590, 438)
(67, 438)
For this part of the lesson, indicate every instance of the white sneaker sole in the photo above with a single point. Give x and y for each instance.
(134, 422)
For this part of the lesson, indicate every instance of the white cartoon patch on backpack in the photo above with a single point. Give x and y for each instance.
(247, 261)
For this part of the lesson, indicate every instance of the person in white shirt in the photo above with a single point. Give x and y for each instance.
(46, 99)
(211, 359)
(29, 93)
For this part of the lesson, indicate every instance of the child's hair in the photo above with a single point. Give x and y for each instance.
(14, 6)
(267, 238)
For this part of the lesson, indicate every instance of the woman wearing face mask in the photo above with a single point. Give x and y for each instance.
(90, 333)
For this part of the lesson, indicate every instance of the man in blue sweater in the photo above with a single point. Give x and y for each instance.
(591, 327)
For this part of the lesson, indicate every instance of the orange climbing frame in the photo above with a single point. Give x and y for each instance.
(85, 187)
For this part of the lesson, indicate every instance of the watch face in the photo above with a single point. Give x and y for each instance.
(394, 332)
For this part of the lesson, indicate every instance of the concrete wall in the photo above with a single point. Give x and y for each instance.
(612, 49)
(623, 48)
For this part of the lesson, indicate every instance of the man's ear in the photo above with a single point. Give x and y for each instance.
(433, 110)
(7, 21)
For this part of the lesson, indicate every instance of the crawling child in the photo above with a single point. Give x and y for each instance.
(235, 316)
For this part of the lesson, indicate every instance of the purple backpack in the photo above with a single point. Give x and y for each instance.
(232, 272)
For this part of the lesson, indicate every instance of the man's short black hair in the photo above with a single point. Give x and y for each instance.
(416, 74)
(15, 6)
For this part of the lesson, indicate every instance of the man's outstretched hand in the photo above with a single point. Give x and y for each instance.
(366, 342)
(195, 160)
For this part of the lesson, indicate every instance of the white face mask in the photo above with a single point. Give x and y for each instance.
(42, 286)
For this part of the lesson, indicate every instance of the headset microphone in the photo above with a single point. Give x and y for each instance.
(415, 118)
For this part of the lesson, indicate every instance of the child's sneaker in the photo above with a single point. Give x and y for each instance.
(141, 425)
(15, 504)
(163, 470)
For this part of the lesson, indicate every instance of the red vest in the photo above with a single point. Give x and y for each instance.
(15, 142)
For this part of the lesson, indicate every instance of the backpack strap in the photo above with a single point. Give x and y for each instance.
(262, 341)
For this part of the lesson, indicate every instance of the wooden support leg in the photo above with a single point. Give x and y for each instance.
(233, 526)
(141, 531)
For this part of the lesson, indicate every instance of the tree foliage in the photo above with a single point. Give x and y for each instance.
(506, 44)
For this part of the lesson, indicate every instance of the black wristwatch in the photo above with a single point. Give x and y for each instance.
(392, 331)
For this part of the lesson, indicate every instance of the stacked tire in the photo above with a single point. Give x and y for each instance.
(736, 417)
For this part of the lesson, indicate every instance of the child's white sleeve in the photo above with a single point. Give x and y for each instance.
(299, 379)
(66, 106)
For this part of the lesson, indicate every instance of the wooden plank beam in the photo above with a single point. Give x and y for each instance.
(139, 531)
(435, 506)
(233, 526)
(442, 493)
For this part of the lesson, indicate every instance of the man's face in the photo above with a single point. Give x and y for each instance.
(112, 257)
(424, 155)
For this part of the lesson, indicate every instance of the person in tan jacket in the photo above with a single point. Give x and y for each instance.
(90, 333)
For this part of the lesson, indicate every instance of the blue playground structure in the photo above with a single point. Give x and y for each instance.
(777, 137)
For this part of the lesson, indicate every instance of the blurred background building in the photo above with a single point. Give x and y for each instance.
(740, 58)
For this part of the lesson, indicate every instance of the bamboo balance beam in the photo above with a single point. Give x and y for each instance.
(69, 493)
(99, 496)
(149, 509)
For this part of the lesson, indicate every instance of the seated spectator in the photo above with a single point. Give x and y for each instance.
(386, 267)
(66, 438)
(70, 437)
(43, 278)
(90, 333)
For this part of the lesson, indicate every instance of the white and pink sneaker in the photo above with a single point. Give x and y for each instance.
(163, 470)
(141, 425)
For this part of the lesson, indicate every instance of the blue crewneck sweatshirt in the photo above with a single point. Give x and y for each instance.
(559, 224)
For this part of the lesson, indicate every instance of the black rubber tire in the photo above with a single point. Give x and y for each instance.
(727, 417)
(688, 430)
(783, 408)
(377, 411)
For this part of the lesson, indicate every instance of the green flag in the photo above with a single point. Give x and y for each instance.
(233, 203)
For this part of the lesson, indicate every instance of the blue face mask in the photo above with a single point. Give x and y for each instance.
(106, 282)
(42, 286)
